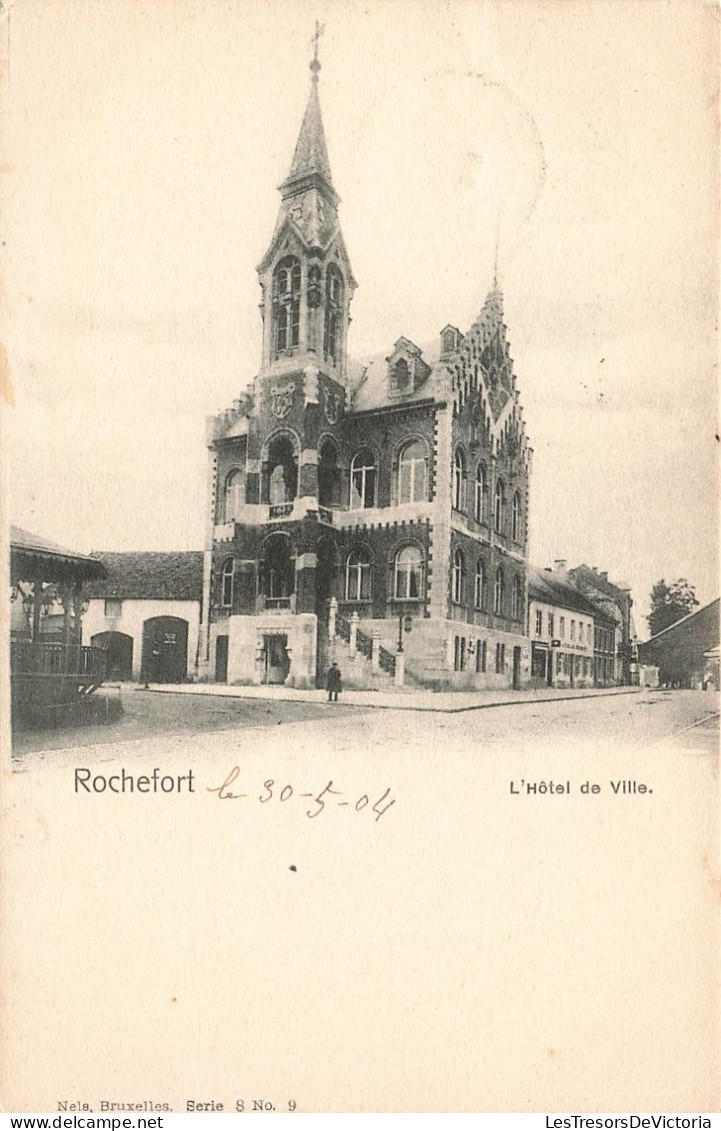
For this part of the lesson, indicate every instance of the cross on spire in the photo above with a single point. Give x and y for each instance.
(315, 64)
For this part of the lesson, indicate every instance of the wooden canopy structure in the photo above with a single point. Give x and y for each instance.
(49, 676)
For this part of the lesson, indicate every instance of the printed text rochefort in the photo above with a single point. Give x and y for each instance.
(88, 782)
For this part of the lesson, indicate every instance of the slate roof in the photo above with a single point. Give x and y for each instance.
(311, 152)
(146, 576)
(554, 588)
(369, 381)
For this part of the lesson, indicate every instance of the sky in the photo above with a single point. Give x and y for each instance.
(142, 145)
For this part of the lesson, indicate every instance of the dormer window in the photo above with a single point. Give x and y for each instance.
(407, 371)
(401, 376)
(451, 338)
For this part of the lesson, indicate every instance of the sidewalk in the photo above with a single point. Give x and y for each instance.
(448, 702)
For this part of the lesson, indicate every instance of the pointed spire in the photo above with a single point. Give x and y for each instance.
(311, 154)
(495, 260)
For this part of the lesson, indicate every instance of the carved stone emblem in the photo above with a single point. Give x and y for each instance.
(332, 406)
(281, 400)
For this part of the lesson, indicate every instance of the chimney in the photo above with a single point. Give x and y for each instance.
(604, 576)
(559, 565)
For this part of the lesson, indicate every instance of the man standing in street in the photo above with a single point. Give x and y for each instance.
(333, 682)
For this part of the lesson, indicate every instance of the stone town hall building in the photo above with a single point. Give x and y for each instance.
(350, 505)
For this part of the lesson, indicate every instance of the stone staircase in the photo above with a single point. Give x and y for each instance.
(364, 664)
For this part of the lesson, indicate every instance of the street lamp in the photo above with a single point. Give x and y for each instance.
(404, 622)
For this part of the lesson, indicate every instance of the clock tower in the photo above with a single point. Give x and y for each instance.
(305, 276)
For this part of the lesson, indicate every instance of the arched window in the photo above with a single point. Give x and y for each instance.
(499, 593)
(286, 305)
(459, 480)
(516, 517)
(358, 575)
(517, 599)
(281, 471)
(401, 375)
(363, 480)
(234, 494)
(480, 593)
(277, 571)
(500, 506)
(408, 574)
(328, 475)
(459, 572)
(333, 313)
(479, 509)
(226, 584)
(412, 484)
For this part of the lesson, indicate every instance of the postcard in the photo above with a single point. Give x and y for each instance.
(360, 516)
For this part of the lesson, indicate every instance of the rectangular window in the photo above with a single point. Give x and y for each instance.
(459, 653)
(500, 658)
(539, 622)
(113, 607)
(550, 624)
(573, 630)
(562, 630)
(559, 663)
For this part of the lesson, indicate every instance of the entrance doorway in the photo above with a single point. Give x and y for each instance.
(165, 650)
(516, 668)
(119, 651)
(221, 659)
(276, 661)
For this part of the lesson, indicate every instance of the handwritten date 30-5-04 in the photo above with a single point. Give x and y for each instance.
(273, 791)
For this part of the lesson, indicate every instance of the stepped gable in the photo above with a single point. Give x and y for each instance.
(480, 369)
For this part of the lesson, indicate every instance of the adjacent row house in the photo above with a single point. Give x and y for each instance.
(573, 641)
